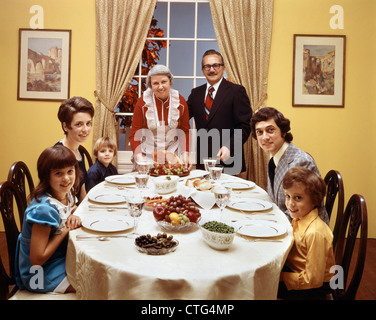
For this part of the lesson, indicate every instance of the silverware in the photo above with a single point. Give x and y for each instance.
(108, 208)
(255, 219)
(100, 238)
(119, 187)
(262, 240)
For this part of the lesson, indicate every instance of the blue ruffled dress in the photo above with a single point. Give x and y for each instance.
(52, 213)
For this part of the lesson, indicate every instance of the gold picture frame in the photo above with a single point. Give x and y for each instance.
(319, 70)
(44, 64)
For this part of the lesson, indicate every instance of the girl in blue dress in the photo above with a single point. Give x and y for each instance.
(42, 244)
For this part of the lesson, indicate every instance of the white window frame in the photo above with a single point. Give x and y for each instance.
(124, 157)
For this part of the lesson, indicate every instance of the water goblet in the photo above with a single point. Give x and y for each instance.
(215, 173)
(143, 166)
(222, 196)
(141, 181)
(135, 206)
(208, 163)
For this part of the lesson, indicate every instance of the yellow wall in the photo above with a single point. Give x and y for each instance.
(28, 127)
(342, 139)
(339, 139)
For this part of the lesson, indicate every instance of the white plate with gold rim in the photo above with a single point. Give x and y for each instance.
(107, 198)
(238, 184)
(249, 204)
(108, 223)
(121, 179)
(260, 228)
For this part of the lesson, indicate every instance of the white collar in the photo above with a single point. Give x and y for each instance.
(280, 153)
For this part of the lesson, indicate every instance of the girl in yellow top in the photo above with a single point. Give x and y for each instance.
(309, 261)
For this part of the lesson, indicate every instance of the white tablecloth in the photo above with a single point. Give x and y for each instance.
(115, 269)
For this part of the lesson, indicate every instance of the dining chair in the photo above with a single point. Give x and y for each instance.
(334, 182)
(18, 174)
(87, 155)
(9, 193)
(354, 218)
(10, 198)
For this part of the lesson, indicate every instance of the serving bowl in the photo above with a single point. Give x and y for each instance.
(166, 184)
(186, 227)
(217, 240)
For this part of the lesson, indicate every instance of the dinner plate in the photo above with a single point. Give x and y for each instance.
(121, 179)
(249, 204)
(260, 229)
(107, 198)
(239, 185)
(108, 223)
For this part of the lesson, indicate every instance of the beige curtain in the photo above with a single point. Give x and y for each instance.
(121, 30)
(243, 29)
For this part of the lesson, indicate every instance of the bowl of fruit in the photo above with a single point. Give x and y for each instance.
(178, 214)
(217, 234)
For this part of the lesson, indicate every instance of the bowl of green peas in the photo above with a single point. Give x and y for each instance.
(218, 234)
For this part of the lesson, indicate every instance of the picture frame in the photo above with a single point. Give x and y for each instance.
(44, 64)
(319, 70)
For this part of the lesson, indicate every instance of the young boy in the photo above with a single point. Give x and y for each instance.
(309, 261)
(104, 152)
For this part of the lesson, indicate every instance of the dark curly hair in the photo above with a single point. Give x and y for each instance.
(267, 113)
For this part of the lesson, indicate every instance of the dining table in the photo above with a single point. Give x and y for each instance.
(103, 261)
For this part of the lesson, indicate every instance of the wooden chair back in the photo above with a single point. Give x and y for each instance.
(18, 174)
(334, 182)
(9, 197)
(354, 218)
(87, 155)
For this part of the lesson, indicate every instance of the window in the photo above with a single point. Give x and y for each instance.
(179, 34)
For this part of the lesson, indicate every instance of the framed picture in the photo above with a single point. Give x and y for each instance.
(319, 70)
(44, 64)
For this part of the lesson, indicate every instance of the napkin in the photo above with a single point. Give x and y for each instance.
(204, 199)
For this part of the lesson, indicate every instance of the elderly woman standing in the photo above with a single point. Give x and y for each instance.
(160, 118)
(76, 117)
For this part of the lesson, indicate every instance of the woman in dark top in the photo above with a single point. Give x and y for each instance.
(76, 117)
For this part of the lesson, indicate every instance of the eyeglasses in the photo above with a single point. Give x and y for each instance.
(215, 66)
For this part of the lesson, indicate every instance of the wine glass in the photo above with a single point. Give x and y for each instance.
(143, 166)
(222, 196)
(208, 163)
(135, 206)
(215, 172)
(141, 181)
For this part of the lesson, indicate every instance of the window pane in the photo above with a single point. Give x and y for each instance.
(154, 52)
(159, 21)
(200, 82)
(181, 58)
(184, 86)
(182, 20)
(205, 28)
(124, 132)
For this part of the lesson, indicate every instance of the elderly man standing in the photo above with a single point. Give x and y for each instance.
(271, 130)
(222, 114)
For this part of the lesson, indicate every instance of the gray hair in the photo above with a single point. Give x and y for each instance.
(159, 69)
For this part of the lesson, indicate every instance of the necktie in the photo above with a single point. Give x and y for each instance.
(209, 101)
(271, 172)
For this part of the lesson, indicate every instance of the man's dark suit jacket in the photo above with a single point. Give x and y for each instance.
(231, 110)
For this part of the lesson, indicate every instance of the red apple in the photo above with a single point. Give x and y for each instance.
(159, 213)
